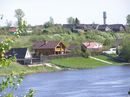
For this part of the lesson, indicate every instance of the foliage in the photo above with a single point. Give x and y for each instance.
(49, 23)
(86, 53)
(30, 93)
(77, 21)
(72, 20)
(19, 14)
(11, 80)
(128, 19)
(76, 51)
(125, 51)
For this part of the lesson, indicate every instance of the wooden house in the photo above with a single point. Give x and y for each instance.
(23, 56)
(49, 48)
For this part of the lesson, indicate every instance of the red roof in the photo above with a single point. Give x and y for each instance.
(12, 29)
(45, 44)
(92, 45)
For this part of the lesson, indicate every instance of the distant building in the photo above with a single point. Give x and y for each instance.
(104, 28)
(117, 27)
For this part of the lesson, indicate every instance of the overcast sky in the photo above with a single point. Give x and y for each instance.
(87, 11)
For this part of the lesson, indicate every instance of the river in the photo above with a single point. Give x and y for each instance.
(111, 81)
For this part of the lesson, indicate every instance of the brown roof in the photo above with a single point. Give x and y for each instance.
(45, 44)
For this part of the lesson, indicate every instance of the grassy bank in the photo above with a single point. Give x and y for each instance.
(17, 68)
(79, 63)
(102, 57)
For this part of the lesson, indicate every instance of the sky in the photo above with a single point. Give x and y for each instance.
(37, 12)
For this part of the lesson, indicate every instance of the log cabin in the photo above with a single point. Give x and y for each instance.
(49, 48)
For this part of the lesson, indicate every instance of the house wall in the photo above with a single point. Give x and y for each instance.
(60, 49)
(44, 51)
(28, 55)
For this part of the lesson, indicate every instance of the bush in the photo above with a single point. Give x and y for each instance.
(86, 54)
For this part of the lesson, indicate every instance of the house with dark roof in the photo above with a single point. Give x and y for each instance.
(82, 27)
(49, 48)
(23, 56)
(117, 27)
(104, 28)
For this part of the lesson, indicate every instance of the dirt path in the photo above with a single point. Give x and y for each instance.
(100, 60)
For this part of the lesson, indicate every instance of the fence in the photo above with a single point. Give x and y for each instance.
(45, 58)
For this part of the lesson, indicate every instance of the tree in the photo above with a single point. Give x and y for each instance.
(70, 20)
(19, 14)
(49, 23)
(11, 81)
(77, 21)
(128, 19)
(125, 51)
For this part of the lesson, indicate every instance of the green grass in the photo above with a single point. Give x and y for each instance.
(17, 68)
(78, 63)
(105, 58)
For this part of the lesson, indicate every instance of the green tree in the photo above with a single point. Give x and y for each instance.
(70, 20)
(77, 21)
(49, 23)
(19, 14)
(125, 51)
(128, 19)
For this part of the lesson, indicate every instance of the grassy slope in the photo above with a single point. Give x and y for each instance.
(107, 59)
(78, 63)
(17, 68)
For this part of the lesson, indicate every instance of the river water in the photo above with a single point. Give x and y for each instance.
(111, 81)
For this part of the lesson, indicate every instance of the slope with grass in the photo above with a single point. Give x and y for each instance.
(78, 63)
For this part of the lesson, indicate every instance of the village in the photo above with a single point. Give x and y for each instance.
(45, 49)
(64, 48)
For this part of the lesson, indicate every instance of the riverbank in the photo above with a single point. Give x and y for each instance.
(17, 68)
(59, 64)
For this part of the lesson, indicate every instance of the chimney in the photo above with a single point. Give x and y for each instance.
(45, 42)
(104, 17)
